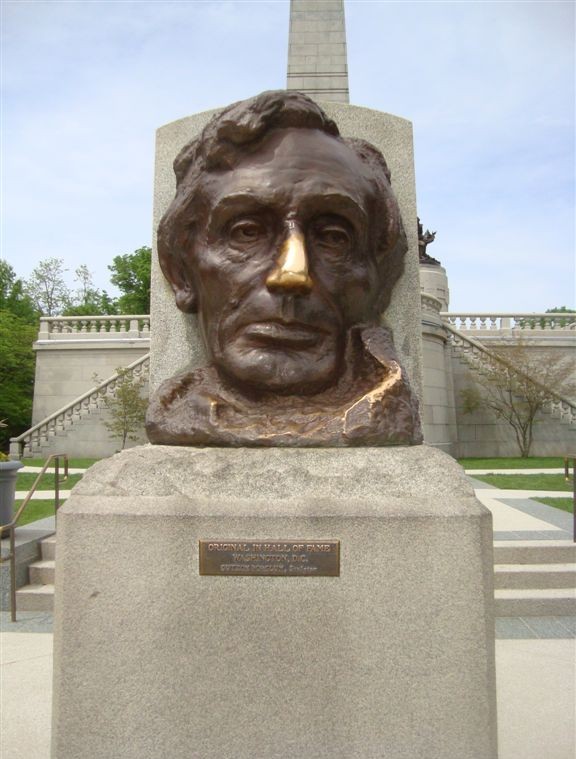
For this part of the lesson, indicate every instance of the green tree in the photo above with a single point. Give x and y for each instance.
(570, 318)
(17, 364)
(47, 289)
(18, 329)
(88, 300)
(126, 408)
(131, 275)
(12, 295)
(516, 385)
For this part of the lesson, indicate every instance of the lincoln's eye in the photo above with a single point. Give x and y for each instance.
(246, 231)
(332, 236)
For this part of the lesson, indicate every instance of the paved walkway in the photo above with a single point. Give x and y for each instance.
(472, 472)
(38, 469)
(41, 495)
(535, 659)
(516, 516)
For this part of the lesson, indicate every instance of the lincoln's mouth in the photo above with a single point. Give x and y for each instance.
(290, 334)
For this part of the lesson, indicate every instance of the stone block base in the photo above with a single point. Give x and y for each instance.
(394, 658)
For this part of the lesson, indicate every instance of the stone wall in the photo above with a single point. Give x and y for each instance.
(64, 371)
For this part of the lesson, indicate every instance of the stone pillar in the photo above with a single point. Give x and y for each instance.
(438, 410)
(434, 281)
(317, 62)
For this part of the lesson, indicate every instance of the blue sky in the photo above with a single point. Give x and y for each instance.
(489, 87)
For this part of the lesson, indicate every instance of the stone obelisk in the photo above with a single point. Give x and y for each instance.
(317, 61)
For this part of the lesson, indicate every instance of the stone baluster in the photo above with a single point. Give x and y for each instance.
(44, 331)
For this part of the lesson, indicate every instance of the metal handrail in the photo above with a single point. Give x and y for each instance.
(11, 526)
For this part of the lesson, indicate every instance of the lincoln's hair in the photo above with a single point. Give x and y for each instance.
(237, 132)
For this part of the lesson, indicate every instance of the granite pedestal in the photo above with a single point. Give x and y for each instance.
(394, 658)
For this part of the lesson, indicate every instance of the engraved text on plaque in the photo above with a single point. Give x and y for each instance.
(285, 558)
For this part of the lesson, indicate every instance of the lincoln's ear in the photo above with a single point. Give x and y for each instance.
(183, 289)
(186, 300)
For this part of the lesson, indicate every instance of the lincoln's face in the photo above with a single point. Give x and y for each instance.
(282, 265)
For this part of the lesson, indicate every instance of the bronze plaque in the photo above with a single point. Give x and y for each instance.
(270, 558)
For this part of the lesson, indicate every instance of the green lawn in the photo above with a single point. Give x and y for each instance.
(25, 481)
(527, 481)
(566, 504)
(40, 508)
(533, 462)
(35, 510)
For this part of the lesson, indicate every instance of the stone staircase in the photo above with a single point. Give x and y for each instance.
(532, 578)
(36, 441)
(39, 594)
(479, 358)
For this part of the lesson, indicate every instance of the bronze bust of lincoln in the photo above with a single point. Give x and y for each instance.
(287, 241)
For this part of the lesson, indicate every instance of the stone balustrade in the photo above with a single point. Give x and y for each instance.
(138, 326)
(489, 322)
(94, 327)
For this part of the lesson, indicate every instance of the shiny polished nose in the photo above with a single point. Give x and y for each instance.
(291, 270)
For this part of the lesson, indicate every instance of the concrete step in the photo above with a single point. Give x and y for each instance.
(48, 548)
(535, 602)
(534, 552)
(42, 572)
(535, 576)
(35, 598)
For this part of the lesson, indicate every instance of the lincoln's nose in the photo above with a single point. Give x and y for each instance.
(290, 272)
